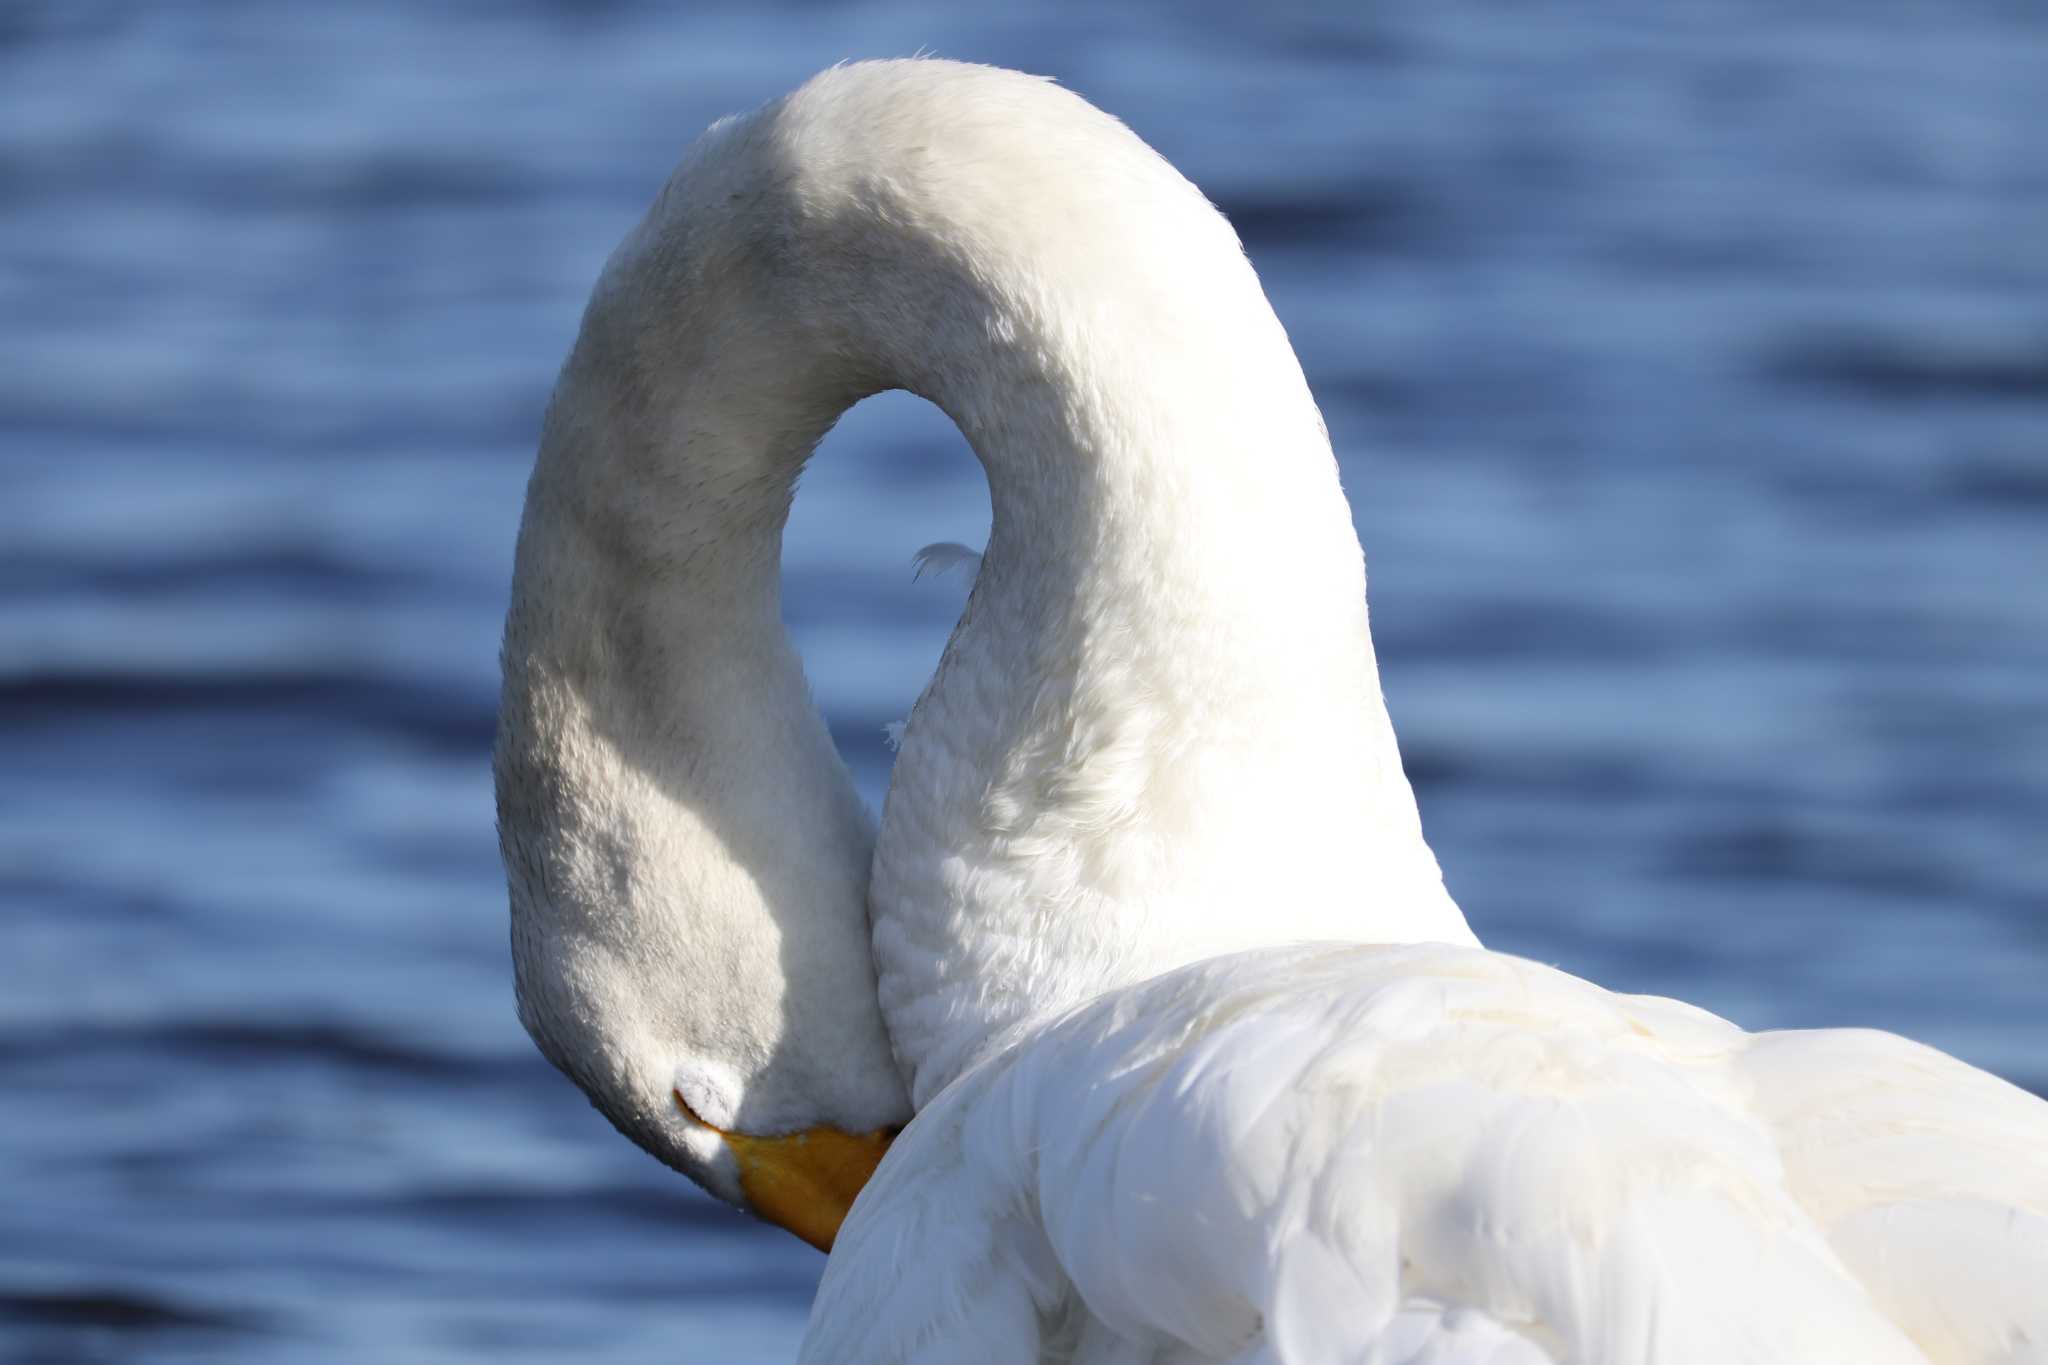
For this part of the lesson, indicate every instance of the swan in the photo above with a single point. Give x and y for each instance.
(1204, 1062)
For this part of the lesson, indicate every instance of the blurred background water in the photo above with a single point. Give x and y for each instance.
(1690, 378)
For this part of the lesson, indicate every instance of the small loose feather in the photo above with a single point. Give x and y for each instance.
(943, 557)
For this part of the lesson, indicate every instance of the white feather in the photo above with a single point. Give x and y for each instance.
(1445, 1155)
(943, 557)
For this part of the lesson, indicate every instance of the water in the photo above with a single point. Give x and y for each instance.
(1691, 383)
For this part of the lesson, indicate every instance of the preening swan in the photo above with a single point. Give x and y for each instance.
(1152, 764)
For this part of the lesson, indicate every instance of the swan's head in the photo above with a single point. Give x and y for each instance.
(689, 932)
(782, 1118)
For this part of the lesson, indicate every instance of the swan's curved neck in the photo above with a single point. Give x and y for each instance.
(1157, 732)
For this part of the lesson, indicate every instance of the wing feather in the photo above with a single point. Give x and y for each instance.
(1443, 1156)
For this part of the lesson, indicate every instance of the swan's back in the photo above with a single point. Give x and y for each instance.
(1446, 1155)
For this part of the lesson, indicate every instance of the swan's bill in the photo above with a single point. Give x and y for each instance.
(803, 1182)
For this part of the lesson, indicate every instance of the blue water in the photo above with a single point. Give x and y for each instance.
(1690, 378)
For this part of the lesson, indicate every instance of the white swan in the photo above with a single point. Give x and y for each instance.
(1153, 757)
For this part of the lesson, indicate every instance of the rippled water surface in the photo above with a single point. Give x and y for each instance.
(1690, 379)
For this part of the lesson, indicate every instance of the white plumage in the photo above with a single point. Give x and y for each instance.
(1432, 1154)
(1153, 764)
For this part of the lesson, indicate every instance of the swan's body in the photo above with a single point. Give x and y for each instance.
(1156, 737)
(1434, 1154)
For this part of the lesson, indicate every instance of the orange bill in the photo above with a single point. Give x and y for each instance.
(804, 1182)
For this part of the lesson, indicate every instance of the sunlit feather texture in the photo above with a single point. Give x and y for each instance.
(1438, 1154)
